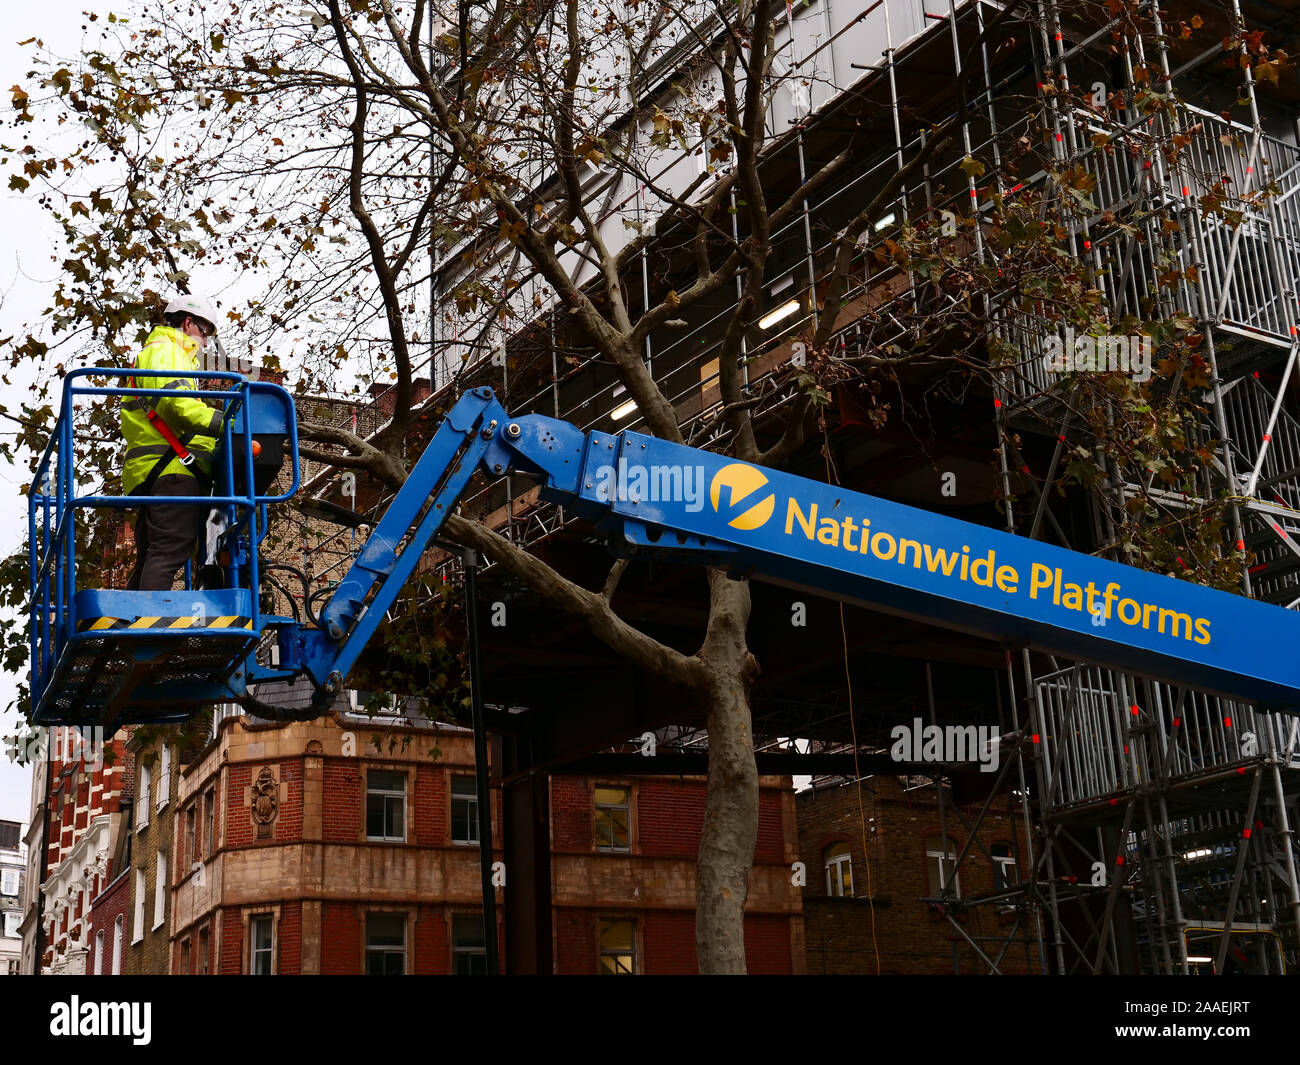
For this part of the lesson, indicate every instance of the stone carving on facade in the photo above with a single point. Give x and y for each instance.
(265, 802)
(315, 747)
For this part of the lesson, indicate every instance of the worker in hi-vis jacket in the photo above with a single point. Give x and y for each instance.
(169, 442)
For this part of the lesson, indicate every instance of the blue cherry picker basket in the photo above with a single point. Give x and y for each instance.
(108, 657)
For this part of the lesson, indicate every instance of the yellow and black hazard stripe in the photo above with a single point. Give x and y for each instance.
(227, 621)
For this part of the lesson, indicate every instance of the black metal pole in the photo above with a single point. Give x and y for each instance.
(481, 765)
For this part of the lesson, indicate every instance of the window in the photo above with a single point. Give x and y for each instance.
(137, 926)
(385, 944)
(185, 956)
(464, 810)
(160, 890)
(468, 950)
(203, 951)
(941, 861)
(12, 920)
(839, 871)
(210, 818)
(142, 806)
(119, 929)
(9, 882)
(164, 776)
(15, 967)
(376, 704)
(260, 940)
(9, 833)
(191, 839)
(99, 954)
(613, 816)
(617, 947)
(385, 805)
(1004, 866)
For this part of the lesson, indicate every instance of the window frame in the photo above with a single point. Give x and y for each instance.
(254, 921)
(160, 892)
(10, 876)
(357, 706)
(1002, 863)
(602, 953)
(119, 935)
(205, 946)
(145, 801)
(452, 799)
(137, 923)
(406, 782)
(596, 810)
(99, 953)
(164, 776)
(190, 845)
(466, 952)
(833, 866)
(942, 858)
(210, 819)
(403, 918)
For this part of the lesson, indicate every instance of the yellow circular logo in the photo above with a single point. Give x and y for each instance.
(743, 481)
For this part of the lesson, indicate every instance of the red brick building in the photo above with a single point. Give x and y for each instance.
(82, 816)
(882, 905)
(349, 845)
(110, 917)
(631, 897)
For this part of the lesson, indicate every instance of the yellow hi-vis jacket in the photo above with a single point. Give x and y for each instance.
(195, 424)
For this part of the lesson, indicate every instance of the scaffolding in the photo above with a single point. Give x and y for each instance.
(1167, 814)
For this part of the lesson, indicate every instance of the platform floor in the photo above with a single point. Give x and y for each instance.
(131, 671)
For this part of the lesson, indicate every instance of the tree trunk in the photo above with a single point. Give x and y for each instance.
(731, 807)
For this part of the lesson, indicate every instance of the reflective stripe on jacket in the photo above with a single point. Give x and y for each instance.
(195, 424)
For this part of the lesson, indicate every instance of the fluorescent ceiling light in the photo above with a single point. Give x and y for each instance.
(780, 314)
(623, 411)
(1198, 959)
(888, 220)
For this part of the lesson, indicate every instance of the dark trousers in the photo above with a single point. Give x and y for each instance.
(166, 534)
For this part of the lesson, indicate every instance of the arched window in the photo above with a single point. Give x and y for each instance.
(941, 861)
(119, 927)
(98, 970)
(839, 871)
(1004, 866)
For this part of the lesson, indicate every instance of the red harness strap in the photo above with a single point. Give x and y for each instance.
(163, 430)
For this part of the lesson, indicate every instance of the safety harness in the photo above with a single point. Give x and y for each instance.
(182, 453)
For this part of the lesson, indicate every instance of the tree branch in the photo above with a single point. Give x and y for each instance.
(616, 572)
(636, 647)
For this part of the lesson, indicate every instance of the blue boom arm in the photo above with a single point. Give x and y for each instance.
(654, 497)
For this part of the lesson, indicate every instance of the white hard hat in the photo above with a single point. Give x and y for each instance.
(195, 307)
